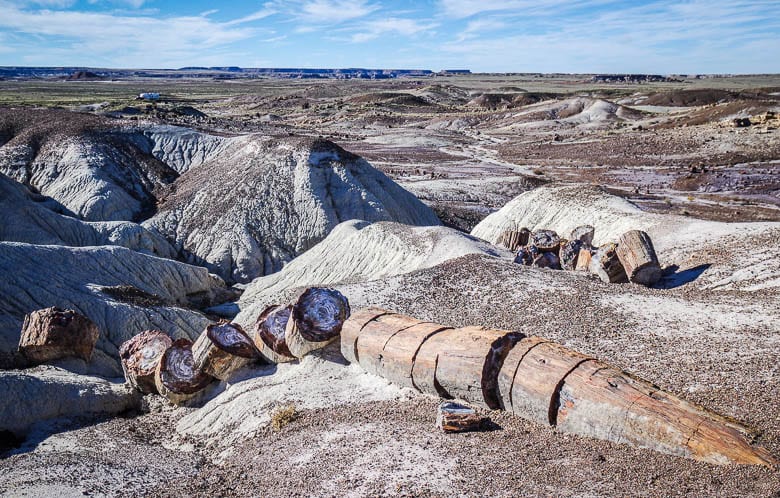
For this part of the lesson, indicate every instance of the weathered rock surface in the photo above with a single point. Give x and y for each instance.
(84, 162)
(37, 219)
(261, 202)
(54, 333)
(360, 251)
(47, 392)
(122, 291)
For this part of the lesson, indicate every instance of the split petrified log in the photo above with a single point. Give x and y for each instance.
(55, 333)
(606, 264)
(514, 239)
(176, 377)
(637, 255)
(316, 320)
(463, 363)
(570, 253)
(140, 356)
(454, 417)
(583, 259)
(546, 382)
(584, 234)
(222, 349)
(269, 334)
(545, 240)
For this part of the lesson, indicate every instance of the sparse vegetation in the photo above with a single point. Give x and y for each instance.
(282, 416)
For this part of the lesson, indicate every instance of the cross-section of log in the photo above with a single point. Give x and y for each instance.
(269, 334)
(599, 401)
(536, 368)
(316, 320)
(584, 234)
(350, 331)
(545, 240)
(454, 417)
(514, 239)
(140, 355)
(222, 349)
(606, 264)
(176, 377)
(389, 346)
(637, 255)
(464, 363)
(54, 333)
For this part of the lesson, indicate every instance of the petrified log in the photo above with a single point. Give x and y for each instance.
(222, 349)
(606, 264)
(570, 253)
(584, 234)
(637, 255)
(536, 367)
(269, 334)
(583, 259)
(316, 320)
(140, 356)
(547, 260)
(389, 346)
(176, 377)
(54, 333)
(463, 363)
(514, 239)
(545, 240)
(545, 382)
(454, 417)
(598, 401)
(350, 331)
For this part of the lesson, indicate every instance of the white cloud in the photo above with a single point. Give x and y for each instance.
(406, 27)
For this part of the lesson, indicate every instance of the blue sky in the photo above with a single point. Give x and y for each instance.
(658, 36)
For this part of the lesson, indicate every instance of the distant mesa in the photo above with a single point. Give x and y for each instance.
(84, 76)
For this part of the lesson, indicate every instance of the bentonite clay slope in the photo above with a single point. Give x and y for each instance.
(47, 392)
(88, 164)
(726, 255)
(36, 219)
(260, 203)
(122, 291)
(359, 251)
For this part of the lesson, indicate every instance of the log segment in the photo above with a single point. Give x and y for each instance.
(176, 377)
(54, 333)
(583, 259)
(599, 401)
(524, 256)
(514, 239)
(454, 417)
(545, 240)
(637, 255)
(269, 334)
(316, 320)
(547, 260)
(584, 234)
(606, 264)
(140, 356)
(352, 328)
(570, 253)
(545, 382)
(222, 349)
(463, 363)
